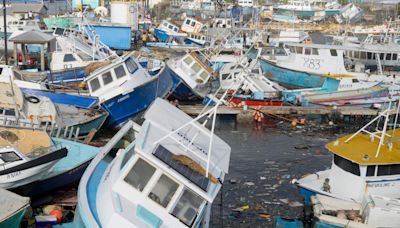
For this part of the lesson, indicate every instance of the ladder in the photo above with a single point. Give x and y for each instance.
(379, 64)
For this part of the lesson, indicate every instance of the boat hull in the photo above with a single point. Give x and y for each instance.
(126, 106)
(15, 219)
(291, 78)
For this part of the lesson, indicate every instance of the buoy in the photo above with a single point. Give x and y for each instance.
(294, 122)
(57, 214)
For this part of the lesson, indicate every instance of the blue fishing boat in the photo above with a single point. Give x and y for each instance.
(291, 78)
(66, 171)
(13, 210)
(125, 89)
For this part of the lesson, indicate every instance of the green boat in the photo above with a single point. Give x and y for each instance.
(13, 208)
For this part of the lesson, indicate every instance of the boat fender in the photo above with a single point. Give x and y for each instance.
(32, 99)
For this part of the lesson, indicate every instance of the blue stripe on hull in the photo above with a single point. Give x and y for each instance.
(123, 107)
(181, 90)
(291, 78)
(161, 35)
(306, 195)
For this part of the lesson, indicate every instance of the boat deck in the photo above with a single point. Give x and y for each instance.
(25, 140)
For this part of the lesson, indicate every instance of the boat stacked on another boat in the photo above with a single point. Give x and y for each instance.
(167, 176)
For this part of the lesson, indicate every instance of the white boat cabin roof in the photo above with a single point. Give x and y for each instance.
(10, 96)
(176, 151)
(375, 48)
(26, 141)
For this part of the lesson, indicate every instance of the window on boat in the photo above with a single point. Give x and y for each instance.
(347, 165)
(94, 84)
(9, 157)
(15, 22)
(299, 50)
(333, 52)
(370, 171)
(381, 56)
(193, 23)
(20, 22)
(187, 208)
(369, 55)
(140, 174)
(17, 75)
(204, 75)
(315, 51)
(394, 56)
(357, 54)
(385, 170)
(107, 78)
(131, 65)
(363, 55)
(170, 27)
(224, 76)
(307, 51)
(176, 29)
(196, 67)
(165, 24)
(59, 31)
(9, 112)
(69, 58)
(354, 80)
(188, 60)
(163, 191)
(388, 56)
(119, 71)
(187, 21)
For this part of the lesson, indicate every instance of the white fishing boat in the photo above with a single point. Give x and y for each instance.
(364, 163)
(373, 211)
(191, 74)
(168, 175)
(26, 155)
(17, 109)
(307, 65)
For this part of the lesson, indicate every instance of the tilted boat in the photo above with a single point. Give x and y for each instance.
(125, 89)
(364, 163)
(39, 112)
(26, 155)
(167, 175)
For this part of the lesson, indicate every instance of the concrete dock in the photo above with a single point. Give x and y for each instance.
(284, 110)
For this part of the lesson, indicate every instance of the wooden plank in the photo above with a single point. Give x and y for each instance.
(90, 136)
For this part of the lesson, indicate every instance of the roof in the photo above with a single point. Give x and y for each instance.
(14, 202)
(32, 37)
(361, 147)
(28, 7)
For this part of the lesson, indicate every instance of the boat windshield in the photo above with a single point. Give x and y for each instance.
(188, 207)
(347, 165)
(131, 65)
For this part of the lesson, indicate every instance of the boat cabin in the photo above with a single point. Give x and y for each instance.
(113, 79)
(67, 60)
(191, 25)
(357, 168)
(198, 71)
(221, 23)
(168, 27)
(198, 38)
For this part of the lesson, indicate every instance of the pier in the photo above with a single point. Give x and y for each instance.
(244, 112)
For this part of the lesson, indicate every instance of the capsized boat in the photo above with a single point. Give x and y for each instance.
(125, 89)
(13, 210)
(373, 211)
(168, 175)
(364, 163)
(26, 155)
